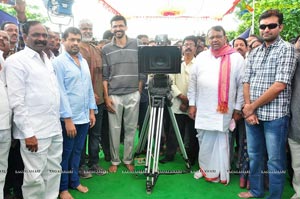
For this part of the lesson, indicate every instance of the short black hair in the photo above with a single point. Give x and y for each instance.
(217, 28)
(5, 23)
(141, 36)
(72, 30)
(202, 38)
(191, 38)
(107, 35)
(118, 18)
(270, 13)
(27, 26)
(240, 38)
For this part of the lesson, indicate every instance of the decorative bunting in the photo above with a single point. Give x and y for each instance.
(249, 8)
(174, 14)
(232, 8)
(176, 17)
(109, 7)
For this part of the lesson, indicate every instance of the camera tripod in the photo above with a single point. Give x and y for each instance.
(153, 122)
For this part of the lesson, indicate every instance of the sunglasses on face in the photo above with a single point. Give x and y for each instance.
(270, 26)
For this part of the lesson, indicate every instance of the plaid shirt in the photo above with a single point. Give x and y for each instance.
(265, 66)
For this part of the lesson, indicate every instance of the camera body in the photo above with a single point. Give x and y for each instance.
(159, 61)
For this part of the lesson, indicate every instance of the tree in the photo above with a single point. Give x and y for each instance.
(289, 8)
(32, 12)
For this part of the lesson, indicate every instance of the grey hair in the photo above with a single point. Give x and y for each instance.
(85, 21)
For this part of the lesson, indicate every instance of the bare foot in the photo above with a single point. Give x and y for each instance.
(130, 167)
(245, 195)
(82, 189)
(113, 169)
(65, 195)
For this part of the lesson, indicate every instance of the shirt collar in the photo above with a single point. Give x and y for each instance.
(113, 41)
(33, 53)
(275, 44)
(70, 57)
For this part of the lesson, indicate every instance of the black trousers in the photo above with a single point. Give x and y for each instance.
(14, 180)
(185, 125)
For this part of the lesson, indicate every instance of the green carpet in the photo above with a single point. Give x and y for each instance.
(124, 185)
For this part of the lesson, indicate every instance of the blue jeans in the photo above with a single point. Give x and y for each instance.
(270, 136)
(94, 140)
(72, 148)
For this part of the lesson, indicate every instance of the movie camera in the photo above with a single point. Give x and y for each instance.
(159, 61)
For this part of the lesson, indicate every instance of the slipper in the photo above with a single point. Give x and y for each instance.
(65, 195)
(130, 167)
(245, 195)
(113, 169)
(198, 174)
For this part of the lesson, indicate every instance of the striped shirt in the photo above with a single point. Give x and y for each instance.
(120, 67)
(265, 66)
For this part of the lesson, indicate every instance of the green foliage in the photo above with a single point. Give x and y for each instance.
(32, 12)
(231, 35)
(289, 8)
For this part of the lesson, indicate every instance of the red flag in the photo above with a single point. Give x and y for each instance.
(232, 8)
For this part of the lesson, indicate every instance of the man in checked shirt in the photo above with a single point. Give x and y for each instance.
(267, 93)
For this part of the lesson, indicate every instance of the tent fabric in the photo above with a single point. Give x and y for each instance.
(4, 17)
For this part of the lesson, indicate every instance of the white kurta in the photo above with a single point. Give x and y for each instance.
(203, 90)
(5, 125)
(5, 111)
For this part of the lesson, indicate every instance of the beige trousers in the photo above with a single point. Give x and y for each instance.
(42, 168)
(127, 109)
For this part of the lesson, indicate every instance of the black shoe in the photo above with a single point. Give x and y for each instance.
(83, 173)
(166, 159)
(96, 169)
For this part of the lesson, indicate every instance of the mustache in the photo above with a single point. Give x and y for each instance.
(188, 50)
(119, 31)
(40, 42)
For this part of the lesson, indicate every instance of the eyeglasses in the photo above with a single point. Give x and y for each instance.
(270, 26)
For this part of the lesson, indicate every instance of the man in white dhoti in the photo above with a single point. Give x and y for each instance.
(215, 97)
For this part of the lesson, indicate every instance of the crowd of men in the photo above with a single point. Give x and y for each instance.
(54, 94)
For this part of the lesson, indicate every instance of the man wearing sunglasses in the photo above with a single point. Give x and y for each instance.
(267, 92)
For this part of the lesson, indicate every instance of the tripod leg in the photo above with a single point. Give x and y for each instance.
(150, 140)
(149, 184)
(158, 139)
(178, 136)
(143, 136)
(155, 129)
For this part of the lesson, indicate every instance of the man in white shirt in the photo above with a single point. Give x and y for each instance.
(5, 114)
(215, 94)
(34, 97)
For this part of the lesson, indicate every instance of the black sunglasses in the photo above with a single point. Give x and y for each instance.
(270, 26)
